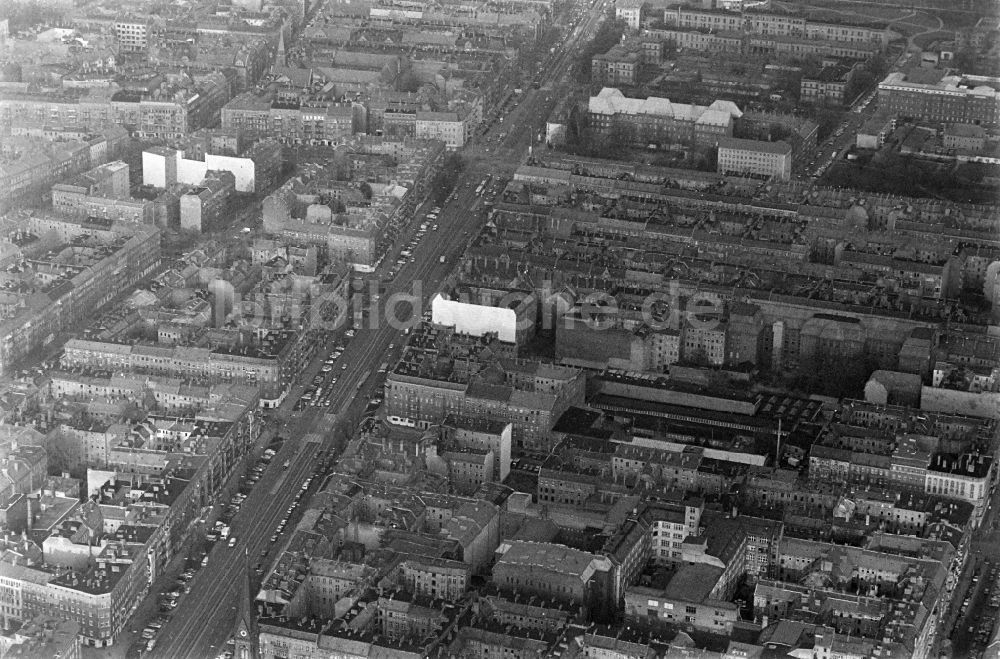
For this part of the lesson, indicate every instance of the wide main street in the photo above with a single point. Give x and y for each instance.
(205, 618)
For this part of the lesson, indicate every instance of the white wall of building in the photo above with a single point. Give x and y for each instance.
(241, 168)
(154, 169)
(192, 172)
(474, 319)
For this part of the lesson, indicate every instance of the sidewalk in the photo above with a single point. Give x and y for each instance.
(146, 612)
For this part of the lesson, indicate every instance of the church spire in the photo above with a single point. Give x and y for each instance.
(282, 57)
(246, 636)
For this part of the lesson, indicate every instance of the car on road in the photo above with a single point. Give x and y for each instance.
(232, 542)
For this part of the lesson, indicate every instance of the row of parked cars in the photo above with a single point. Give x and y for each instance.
(320, 465)
(982, 630)
(150, 632)
(320, 392)
(406, 254)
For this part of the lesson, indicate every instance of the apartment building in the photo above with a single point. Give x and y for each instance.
(774, 25)
(166, 113)
(670, 523)
(203, 206)
(261, 365)
(966, 477)
(554, 572)
(704, 341)
(31, 166)
(130, 254)
(969, 138)
(830, 85)
(294, 119)
(741, 157)
(630, 11)
(707, 40)
(132, 36)
(950, 99)
(101, 193)
(436, 578)
(452, 128)
(531, 399)
(618, 66)
(659, 121)
(686, 601)
(483, 435)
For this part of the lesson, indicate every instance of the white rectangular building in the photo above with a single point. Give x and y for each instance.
(739, 157)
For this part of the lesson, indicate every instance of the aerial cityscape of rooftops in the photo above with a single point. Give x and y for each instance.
(507, 329)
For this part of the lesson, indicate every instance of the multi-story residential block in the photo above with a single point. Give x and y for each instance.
(71, 290)
(670, 524)
(860, 598)
(47, 636)
(452, 128)
(966, 477)
(162, 113)
(171, 396)
(552, 571)
(711, 40)
(685, 601)
(630, 11)
(966, 137)
(509, 315)
(294, 119)
(830, 85)
(436, 578)
(31, 166)
(628, 549)
(265, 363)
(531, 397)
(950, 99)
(704, 340)
(594, 340)
(738, 157)
(657, 120)
(103, 193)
(483, 435)
(743, 547)
(203, 206)
(775, 24)
(618, 66)
(748, 340)
(132, 36)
